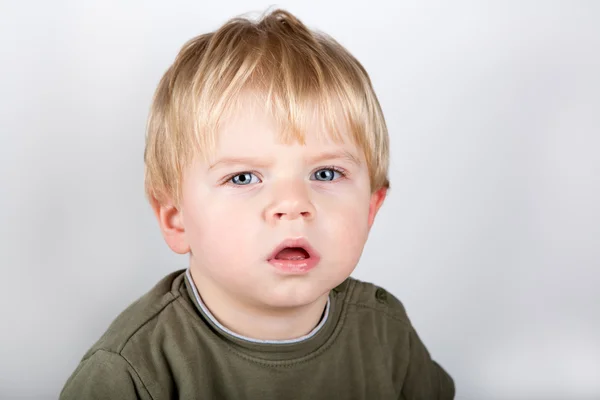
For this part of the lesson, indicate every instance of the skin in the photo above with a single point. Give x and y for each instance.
(229, 229)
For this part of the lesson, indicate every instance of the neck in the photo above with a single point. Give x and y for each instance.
(258, 322)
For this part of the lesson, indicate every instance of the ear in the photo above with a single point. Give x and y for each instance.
(170, 220)
(375, 203)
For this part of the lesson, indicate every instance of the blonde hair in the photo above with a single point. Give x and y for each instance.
(296, 71)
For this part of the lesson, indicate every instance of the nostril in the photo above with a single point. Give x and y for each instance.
(303, 214)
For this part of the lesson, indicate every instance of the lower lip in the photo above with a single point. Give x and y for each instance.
(295, 267)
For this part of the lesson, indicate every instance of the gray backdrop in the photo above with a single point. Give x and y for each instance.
(490, 235)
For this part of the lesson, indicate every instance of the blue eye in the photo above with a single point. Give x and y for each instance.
(245, 178)
(326, 174)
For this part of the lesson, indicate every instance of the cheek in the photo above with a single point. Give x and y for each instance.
(218, 231)
(347, 224)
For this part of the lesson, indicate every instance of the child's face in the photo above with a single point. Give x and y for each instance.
(255, 193)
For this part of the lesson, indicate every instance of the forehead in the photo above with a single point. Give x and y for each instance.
(252, 124)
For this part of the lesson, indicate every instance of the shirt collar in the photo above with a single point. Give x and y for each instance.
(223, 328)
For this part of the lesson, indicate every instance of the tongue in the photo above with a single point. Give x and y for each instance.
(292, 253)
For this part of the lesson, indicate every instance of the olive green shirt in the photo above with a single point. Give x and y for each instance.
(166, 345)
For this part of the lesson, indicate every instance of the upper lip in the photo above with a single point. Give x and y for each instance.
(297, 242)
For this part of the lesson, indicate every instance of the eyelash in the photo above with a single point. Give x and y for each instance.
(341, 171)
(228, 178)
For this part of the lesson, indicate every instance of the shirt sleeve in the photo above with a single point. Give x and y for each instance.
(425, 378)
(104, 375)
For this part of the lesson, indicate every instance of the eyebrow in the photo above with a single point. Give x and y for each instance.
(336, 155)
(240, 161)
(256, 162)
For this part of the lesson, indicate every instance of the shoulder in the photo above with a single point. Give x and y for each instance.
(89, 380)
(376, 300)
(141, 313)
(379, 316)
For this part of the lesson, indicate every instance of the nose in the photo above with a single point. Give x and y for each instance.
(291, 201)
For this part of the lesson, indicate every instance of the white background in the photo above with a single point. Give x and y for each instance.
(490, 235)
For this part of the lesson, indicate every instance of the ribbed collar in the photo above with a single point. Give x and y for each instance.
(277, 349)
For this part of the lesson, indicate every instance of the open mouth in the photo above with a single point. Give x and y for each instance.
(294, 256)
(292, 253)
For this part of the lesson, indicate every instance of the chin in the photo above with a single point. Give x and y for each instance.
(295, 293)
(290, 301)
